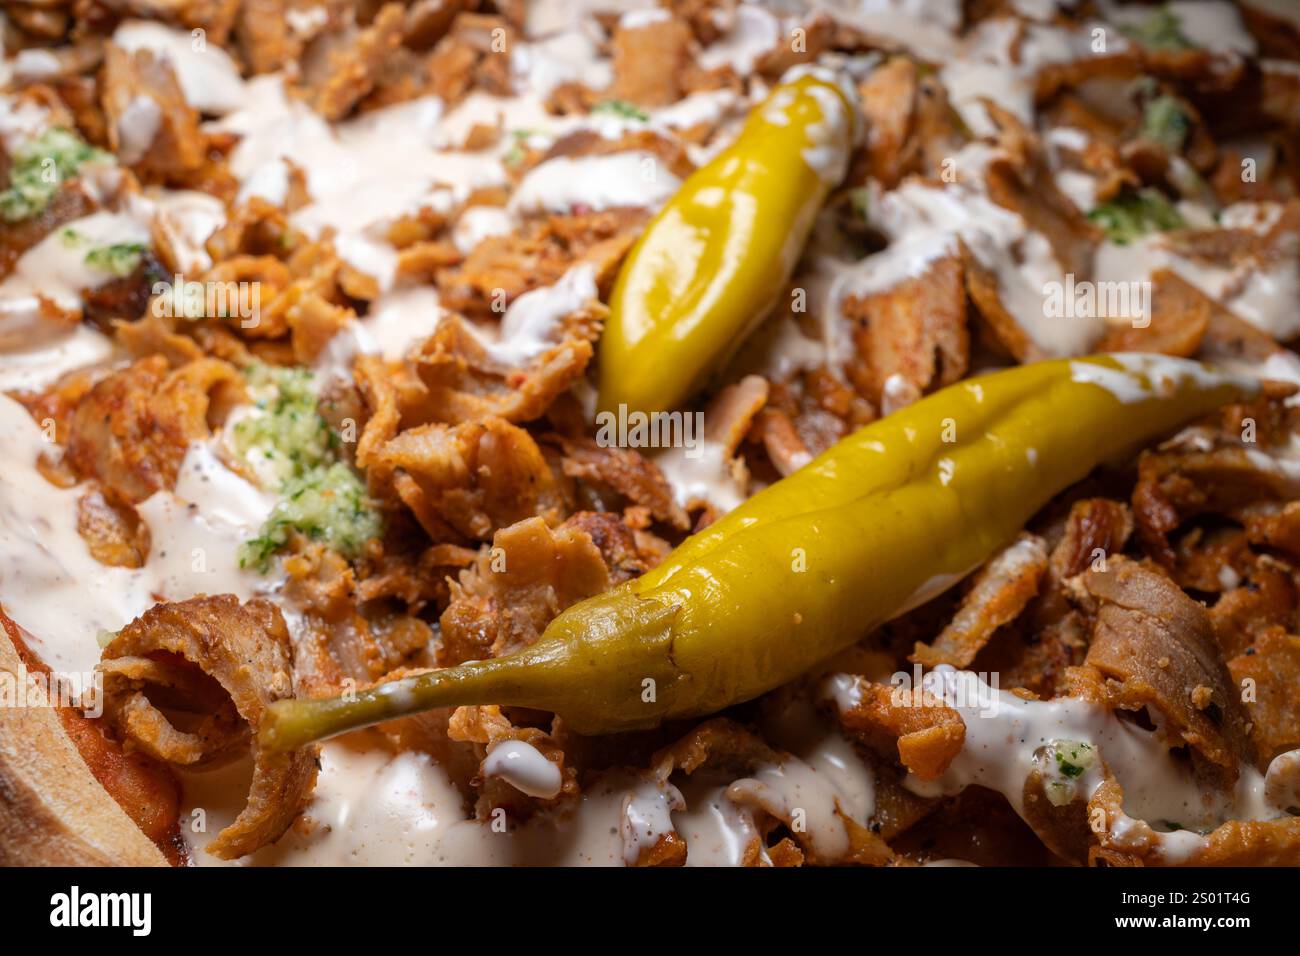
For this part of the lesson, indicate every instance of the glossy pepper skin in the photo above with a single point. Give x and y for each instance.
(887, 518)
(717, 256)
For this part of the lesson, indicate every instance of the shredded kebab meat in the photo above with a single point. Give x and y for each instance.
(998, 593)
(1155, 647)
(504, 600)
(928, 734)
(1163, 591)
(244, 650)
(132, 430)
(468, 480)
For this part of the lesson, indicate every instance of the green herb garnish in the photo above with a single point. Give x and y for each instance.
(1162, 30)
(40, 166)
(519, 142)
(1134, 213)
(1072, 759)
(290, 442)
(622, 108)
(327, 504)
(1164, 121)
(286, 432)
(120, 259)
(860, 202)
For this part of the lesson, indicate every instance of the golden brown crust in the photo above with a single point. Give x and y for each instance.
(927, 732)
(997, 595)
(1156, 645)
(53, 811)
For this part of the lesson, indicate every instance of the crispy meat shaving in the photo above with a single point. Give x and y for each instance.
(150, 125)
(911, 724)
(1179, 319)
(338, 642)
(1270, 667)
(132, 429)
(463, 383)
(649, 61)
(352, 67)
(114, 533)
(1000, 591)
(504, 600)
(1156, 647)
(1177, 485)
(626, 472)
(243, 648)
(911, 338)
(911, 121)
(468, 480)
(501, 268)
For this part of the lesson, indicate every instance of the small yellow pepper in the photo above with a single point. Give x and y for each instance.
(889, 517)
(715, 259)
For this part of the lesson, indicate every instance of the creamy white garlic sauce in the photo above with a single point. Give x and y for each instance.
(925, 222)
(375, 808)
(647, 817)
(188, 218)
(52, 586)
(750, 31)
(207, 76)
(35, 364)
(926, 27)
(20, 121)
(1260, 292)
(524, 767)
(372, 806)
(401, 317)
(1210, 24)
(58, 269)
(531, 324)
(35, 64)
(478, 223)
(1008, 737)
(702, 473)
(595, 183)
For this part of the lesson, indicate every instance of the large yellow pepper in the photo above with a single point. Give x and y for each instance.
(715, 259)
(887, 518)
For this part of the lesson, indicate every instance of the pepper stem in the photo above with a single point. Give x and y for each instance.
(295, 722)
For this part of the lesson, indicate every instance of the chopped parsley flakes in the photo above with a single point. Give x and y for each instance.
(286, 436)
(1062, 763)
(622, 108)
(1164, 121)
(39, 168)
(292, 446)
(327, 503)
(1134, 213)
(1162, 30)
(518, 144)
(860, 202)
(120, 259)
(1073, 757)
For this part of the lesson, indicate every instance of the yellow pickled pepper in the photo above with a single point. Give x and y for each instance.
(885, 519)
(715, 259)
